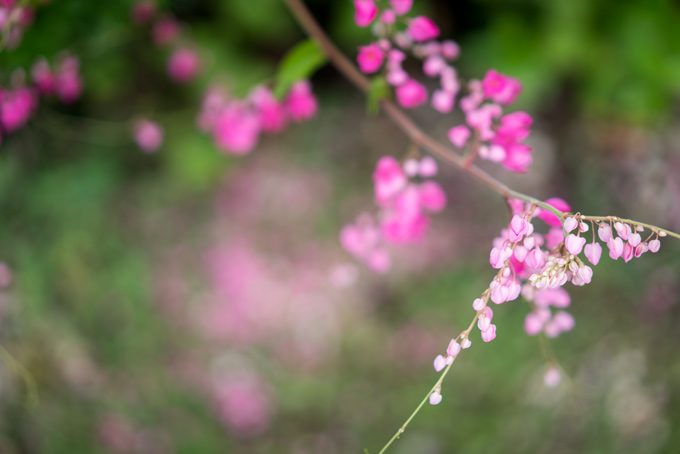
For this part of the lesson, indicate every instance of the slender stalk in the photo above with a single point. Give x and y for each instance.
(437, 385)
(651, 227)
(402, 429)
(23, 373)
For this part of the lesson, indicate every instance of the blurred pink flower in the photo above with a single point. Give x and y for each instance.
(243, 404)
(184, 64)
(301, 103)
(148, 135)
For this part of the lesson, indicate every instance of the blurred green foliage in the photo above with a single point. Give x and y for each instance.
(84, 216)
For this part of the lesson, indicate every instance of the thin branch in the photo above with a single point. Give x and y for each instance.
(464, 334)
(411, 129)
(653, 228)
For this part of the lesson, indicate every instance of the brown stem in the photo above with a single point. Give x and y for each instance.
(412, 130)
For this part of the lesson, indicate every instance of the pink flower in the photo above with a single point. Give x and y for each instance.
(556, 297)
(388, 17)
(552, 377)
(628, 252)
(214, 101)
(442, 101)
(165, 31)
(432, 196)
(574, 244)
(148, 135)
(482, 118)
(370, 58)
(518, 158)
(404, 227)
(300, 102)
(362, 239)
(489, 334)
(439, 363)
(427, 167)
(422, 28)
(236, 129)
(623, 230)
(604, 232)
(435, 398)
(550, 218)
(459, 135)
(654, 245)
(453, 349)
(570, 224)
(143, 11)
(449, 80)
(68, 84)
(500, 88)
(388, 179)
(433, 65)
(634, 239)
(43, 77)
(401, 6)
(593, 251)
(365, 12)
(243, 404)
(183, 65)
(16, 107)
(616, 247)
(269, 109)
(553, 238)
(535, 258)
(450, 50)
(533, 323)
(515, 127)
(518, 228)
(411, 94)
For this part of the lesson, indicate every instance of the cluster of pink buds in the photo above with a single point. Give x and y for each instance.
(184, 63)
(19, 102)
(624, 240)
(17, 105)
(542, 319)
(405, 195)
(236, 124)
(490, 134)
(456, 345)
(522, 254)
(14, 18)
(64, 81)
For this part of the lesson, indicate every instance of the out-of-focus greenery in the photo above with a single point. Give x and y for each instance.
(87, 221)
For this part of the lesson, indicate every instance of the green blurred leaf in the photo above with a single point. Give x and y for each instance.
(378, 91)
(299, 63)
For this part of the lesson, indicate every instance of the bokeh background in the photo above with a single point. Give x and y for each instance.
(194, 302)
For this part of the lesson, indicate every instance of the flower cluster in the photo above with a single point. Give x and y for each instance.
(490, 133)
(538, 265)
(624, 240)
(405, 195)
(64, 81)
(19, 102)
(184, 63)
(236, 124)
(14, 18)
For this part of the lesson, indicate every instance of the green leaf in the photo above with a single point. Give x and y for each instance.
(378, 91)
(299, 63)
